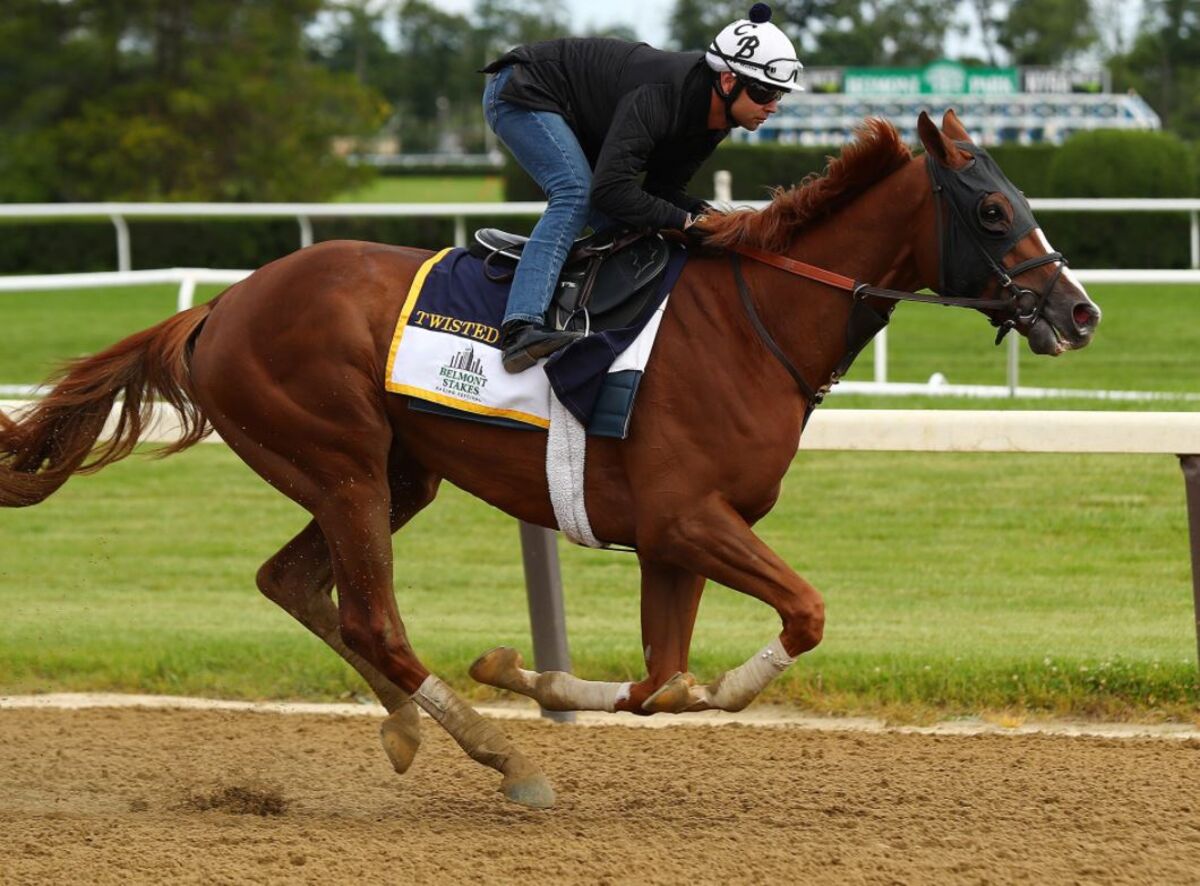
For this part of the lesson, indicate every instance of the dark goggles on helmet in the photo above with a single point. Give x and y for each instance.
(760, 93)
(779, 70)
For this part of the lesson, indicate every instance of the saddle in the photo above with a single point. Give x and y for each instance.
(606, 282)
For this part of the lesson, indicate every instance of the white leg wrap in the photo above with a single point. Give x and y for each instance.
(735, 689)
(560, 691)
(480, 739)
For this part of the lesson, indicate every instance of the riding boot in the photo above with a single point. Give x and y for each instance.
(523, 343)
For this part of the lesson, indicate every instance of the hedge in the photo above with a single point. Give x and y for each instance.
(1096, 164)
(1115, 163)
(62, 247)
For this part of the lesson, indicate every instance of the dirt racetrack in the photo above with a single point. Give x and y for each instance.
(133, 796)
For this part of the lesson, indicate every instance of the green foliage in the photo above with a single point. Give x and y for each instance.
(211, 100)
(755, 169)
(1106, 163)
(1027, 166)
(1118, 163)
(50, 248)
(1114, 163)
(1046, 32)
(1164, 64)
(885, 32)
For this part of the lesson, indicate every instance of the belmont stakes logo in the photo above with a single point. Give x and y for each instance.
(463, 376)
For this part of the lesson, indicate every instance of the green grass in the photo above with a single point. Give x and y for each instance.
(429, 189)
(955, 584)
(39, 330)
(1146, 343)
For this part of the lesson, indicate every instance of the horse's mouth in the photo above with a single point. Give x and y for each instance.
(1045, 338)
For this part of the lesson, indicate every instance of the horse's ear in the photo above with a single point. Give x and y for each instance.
(953, 127)
(938, 144)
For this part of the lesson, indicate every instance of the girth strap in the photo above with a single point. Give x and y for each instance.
(743, 290)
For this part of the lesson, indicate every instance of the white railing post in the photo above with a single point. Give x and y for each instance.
(723, 186)
(187, 293)
(1014, 362)
(881, 356)
(306, 232)
(124, 250)
(1195, 240)
(460, 231)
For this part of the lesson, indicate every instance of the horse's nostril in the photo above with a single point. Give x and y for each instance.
(1084, 316)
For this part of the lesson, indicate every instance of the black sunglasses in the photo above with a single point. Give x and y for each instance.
(760, 94)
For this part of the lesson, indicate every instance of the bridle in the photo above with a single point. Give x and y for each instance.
(1018, 304)
(1022, 305)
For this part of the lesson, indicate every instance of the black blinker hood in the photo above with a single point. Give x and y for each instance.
(963, 234)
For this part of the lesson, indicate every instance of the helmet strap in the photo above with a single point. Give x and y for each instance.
(728, 98)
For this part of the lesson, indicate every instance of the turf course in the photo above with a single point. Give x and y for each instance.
(955, 583)
(1145, 343)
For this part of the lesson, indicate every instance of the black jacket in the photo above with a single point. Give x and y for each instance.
(634, 109)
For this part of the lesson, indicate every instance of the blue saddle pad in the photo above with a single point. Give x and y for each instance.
(445, 354)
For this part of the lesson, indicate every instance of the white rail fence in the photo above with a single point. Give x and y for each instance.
(188, 278)
(884, 430)
(304, 213)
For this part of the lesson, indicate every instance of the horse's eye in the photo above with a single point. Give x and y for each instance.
(992, 217)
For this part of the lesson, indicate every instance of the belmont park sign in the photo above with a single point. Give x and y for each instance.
(939, 78)
(951, 78)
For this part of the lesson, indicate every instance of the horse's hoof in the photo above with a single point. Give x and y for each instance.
(497, 667)
(400, 734)
(673, 697)
(532, 790)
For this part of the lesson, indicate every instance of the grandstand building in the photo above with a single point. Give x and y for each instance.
(998, 105)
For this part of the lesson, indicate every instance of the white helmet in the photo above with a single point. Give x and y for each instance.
(757, 50)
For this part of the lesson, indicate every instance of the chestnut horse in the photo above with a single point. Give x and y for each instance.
(288, 367)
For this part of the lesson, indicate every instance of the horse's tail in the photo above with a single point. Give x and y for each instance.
(41, 447)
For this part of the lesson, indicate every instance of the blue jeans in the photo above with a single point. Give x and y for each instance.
(548, 150)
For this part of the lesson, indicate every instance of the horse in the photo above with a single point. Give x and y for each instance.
(288, 366)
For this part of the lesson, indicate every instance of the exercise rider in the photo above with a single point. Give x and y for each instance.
(585, 117)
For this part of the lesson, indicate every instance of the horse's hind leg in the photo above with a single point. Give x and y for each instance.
(299, 578)
(355, 521)
(670, 599)
(344, 484)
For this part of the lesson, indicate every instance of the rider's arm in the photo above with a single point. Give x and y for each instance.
(670, 181)
(643, 118)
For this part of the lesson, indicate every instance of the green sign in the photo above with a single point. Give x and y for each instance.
(939, 78)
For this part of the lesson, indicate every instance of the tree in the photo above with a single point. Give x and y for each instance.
(1046, 32)
(833, 32)
(1164, 64)
(694, 23)
(172, 100)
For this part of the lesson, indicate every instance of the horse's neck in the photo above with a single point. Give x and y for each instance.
(884, 237)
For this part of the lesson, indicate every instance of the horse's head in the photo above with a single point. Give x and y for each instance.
(990, 246)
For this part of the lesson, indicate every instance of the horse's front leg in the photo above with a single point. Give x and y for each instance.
(670, 598)
(718, 543)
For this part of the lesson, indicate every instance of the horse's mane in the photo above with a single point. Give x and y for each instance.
(876, 152)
